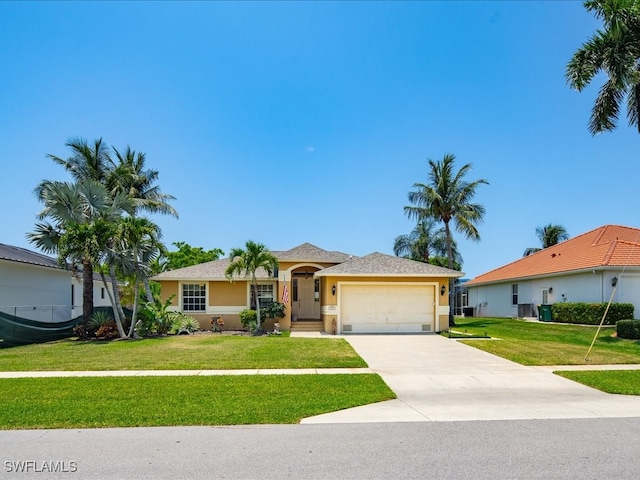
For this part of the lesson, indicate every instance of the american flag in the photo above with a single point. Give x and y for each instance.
(285, 294)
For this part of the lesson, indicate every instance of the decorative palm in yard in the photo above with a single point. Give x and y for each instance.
(615, 51)
(245, 262)
(90, 216)
(77, 220)
(447, 197)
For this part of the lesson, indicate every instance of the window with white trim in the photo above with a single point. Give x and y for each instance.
(265, 295)
(514, 294)
(194, 297)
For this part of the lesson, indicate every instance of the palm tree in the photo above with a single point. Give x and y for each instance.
(614, 51)
(549, 235)
(81, 217)
(448, 197)
(129, 175)
(423, 242)
(246, 262)
(88, 161)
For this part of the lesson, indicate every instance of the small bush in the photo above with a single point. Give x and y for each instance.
(590, 313)
(185, 323)
(628, 329)
(249, 319)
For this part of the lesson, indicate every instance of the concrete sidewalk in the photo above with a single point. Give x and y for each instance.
(437, 379)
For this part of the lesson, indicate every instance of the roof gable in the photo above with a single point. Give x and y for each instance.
(607, 246)
(380, 264)
(307, 252)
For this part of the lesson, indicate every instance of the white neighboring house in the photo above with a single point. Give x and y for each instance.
(593, 267)
(100, 295)
(35, 287)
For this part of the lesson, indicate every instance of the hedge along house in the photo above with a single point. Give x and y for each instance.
(588, 268)
(324, 290)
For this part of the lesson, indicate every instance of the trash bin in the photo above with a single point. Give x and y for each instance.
(544, 313)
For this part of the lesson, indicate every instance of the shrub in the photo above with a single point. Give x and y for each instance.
(273, 310)
(249, 319)
(99, 319)
(628, 329)
(156, 318)
(184, 323)
(590, 313)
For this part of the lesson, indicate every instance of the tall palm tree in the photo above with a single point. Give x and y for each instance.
(246, 262)
(423, 242)
(615, 51)
(549, 235)
(447, 197)
(131, 176)
(77, 220)
(87, 161)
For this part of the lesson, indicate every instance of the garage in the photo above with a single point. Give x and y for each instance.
(387, 307)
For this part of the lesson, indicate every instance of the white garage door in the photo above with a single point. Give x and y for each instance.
(629, 292)
(387, 308)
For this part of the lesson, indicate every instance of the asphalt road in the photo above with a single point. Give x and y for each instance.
(518, 449)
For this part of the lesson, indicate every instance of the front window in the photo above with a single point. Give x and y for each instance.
(194, 297)
(265, 295)
(514, 294)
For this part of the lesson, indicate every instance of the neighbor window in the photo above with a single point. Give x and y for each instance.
(102, 292)
(265, 295)
(194, 297)
(514, 294)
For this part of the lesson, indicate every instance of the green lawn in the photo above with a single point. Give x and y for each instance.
(626, 382)
(183, 352)
(92, 402)
(533, 343)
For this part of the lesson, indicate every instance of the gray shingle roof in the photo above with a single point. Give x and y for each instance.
(310, 253)
(380, 264)
(22, 255)
(215, 270)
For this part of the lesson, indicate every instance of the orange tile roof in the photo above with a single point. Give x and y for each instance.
(609, 245)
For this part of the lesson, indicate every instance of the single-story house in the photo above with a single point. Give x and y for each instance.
(331, 291)
(35, 287)
(593, 267)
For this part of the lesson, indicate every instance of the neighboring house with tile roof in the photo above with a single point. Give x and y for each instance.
(588, 268)
(35, 287)
(328, 291)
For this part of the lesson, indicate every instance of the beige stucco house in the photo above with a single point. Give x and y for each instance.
(323, 290)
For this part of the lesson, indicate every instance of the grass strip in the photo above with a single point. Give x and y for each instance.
(625, 382)
(533, 343)
(93, 402)
(182, 352)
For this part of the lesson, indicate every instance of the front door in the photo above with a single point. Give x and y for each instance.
(303, 303)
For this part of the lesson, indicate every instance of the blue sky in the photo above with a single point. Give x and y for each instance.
(301, 122)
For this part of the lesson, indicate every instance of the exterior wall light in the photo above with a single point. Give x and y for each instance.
(443, 289)
(333, 290)
(614, 281)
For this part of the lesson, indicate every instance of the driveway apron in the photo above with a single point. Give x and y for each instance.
(438, 379)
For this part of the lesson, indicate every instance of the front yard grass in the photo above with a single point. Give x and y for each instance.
(96, 402)
(183, 352)
(533, 343)
(626, 382)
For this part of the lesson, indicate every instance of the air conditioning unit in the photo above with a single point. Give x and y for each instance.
(526, 310)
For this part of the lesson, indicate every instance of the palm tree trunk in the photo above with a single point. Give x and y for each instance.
(116, 314)
(447, 231)
(87, 290)
(116, 292)
(147, 288)
(255, 294)
(135, 309)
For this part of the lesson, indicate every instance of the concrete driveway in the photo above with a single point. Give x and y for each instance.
(437, 379)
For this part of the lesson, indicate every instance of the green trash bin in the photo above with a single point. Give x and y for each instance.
(544, 313)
